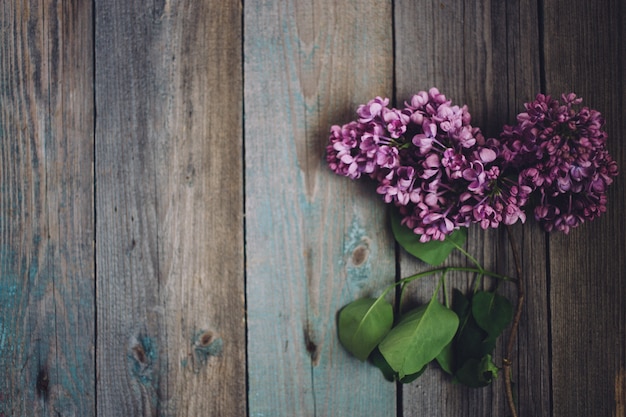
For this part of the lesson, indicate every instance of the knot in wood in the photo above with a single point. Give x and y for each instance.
(359, 255)
(207, 343)
(206, 338)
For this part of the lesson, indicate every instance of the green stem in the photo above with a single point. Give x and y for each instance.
(402, 293)
(445, 270)
(445, 290)
(439, 285)
(507, 362)
(481, 272)
(467, 255)
(477, 284)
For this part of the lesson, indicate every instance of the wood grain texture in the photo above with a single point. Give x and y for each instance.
(484, 54)
(46, 209)
(314, 241)
(585, 53)
(170, 286)
(151, 320)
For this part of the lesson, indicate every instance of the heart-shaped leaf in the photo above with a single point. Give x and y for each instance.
(433, 252)
(419, 337)
(492, 312)
(363, 323)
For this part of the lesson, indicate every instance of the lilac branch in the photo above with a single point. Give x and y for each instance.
(507, 362)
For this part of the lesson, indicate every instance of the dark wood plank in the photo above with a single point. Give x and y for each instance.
(170, 295)
(46, 209)
(315, 241)
(486, 55)
(585, 53)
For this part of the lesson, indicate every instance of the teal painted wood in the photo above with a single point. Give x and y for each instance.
(585, 53)
(314, 241)
(46, 210)
(486, 55)
(171, 328)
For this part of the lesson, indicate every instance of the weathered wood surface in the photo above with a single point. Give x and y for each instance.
(314, 242)
(124, 183)
(486, 55)
(585, 52)
(169, 201)
(47, 223)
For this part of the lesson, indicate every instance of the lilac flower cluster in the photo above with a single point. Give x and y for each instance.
(442, 174)
(430, 162)
(561, 154)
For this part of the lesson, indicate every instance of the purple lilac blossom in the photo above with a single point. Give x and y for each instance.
(429, 162)
(442, 174)
(560, 153)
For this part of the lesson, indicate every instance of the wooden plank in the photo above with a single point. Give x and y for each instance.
(585, 53)
(486, 55)
(314, 241)
(170, 294)
(46, 209)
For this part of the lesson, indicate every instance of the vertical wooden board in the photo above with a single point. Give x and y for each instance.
(585, 53)
(46, 209)
(314, 241)
(170, 293)
(486, 55)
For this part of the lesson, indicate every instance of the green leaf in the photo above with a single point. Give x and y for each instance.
(407, 379)
(477, 373)
(433, 252)
(492, 312)
(445, 359)
(390, 375)
(465, 356)
(472, 342)
(461, 306)
(419, 337)
(363, 323)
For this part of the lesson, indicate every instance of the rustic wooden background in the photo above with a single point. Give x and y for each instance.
(172, 243)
